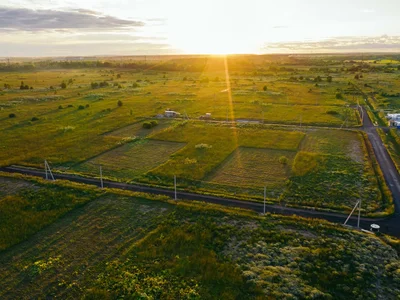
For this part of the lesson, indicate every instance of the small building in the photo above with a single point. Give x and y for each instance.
(207, 116)
(393, 120)
(171, 114)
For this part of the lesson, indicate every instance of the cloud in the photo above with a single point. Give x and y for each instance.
(101, 48)
(23, 19)
(339, 44)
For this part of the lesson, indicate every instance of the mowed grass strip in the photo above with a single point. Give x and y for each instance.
(254, 167)
(131, 159)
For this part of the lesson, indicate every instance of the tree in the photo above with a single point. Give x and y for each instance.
(63, 85)
(339, 96)
(120, 103)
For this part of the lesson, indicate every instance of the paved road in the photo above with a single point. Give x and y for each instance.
(390, 173)
(258, 207)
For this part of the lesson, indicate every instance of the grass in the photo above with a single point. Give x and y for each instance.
(121, 245)
(132, 159)
(392, 142)
(279, 90)
(223, 141)
(254, 167)
(25, 210)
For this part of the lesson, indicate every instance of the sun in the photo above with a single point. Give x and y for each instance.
(213, 31)
(212, 43)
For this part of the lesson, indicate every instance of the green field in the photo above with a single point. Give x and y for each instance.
(118, 244)
(97, 119)
(132, 159)
(254, 167)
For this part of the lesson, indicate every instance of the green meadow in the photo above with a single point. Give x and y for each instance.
(81, 115)
(75, 241)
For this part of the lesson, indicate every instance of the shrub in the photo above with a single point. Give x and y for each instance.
(60, 107)
(81, 107)
(119, 103)
(63, 85)
(339, 96)
(147, 125)
(135, 85)
(332, 112)
(283, 160)
(265, 88)
(12, 115)
(35, 119)
(150, 124)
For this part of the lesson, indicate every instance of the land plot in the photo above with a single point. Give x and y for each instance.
(132, 159)
(254, 167)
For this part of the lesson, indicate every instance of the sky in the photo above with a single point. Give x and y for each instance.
(151, 27)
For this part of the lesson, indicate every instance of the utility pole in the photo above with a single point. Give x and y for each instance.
(175, 186)
(359, 213)
(47, 168)
(348, 218)
(265, 196)
(101, 178)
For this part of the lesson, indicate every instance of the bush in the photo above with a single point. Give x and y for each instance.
(147, 125)
(35, 119)
(119, 103)
(339, 96)
(265, 88)
(94, 85)
(150, 124)
(63, 85)
(11, 115)
(81, 107)
(283, 160)
(332, 112)
(60, 107)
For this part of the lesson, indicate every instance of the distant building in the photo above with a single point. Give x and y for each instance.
(207, 116)
(171, 114)
(393, 120)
